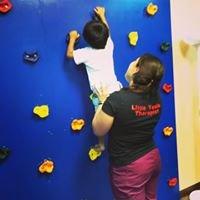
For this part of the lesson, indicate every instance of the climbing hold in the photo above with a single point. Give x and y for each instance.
(172, 182)
(46, 167)
(94, 154)
(77, 124)
(168, 131)
(165, 46)
(5, 6)
(152, 9)
(42, 111)
(167, 88)
(4, 153)
(133, 38)
(31, 57)
(184, 47)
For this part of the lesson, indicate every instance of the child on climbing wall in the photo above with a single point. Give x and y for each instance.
(98, 57)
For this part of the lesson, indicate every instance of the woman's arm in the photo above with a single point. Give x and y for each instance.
(101, 122)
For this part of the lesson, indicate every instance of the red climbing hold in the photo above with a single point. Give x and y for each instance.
(167, 88)
(172, 182)
(5, 6)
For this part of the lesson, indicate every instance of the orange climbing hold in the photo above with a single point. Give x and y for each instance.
(77, 124)
(168, 131)
(152, 9)
(46, 167)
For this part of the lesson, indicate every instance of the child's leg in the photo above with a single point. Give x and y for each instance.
(101, 145)
(101, 141)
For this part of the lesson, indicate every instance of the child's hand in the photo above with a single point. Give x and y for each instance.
(74, 35)
(100, 11)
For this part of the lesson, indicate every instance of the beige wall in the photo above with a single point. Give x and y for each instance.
(185, 19)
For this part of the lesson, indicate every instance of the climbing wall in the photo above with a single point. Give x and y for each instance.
(39, 28)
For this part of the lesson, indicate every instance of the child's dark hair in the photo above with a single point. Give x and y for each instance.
(96, 34)
(149, 74)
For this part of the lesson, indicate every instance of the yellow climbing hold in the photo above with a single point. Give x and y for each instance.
(94, 154)
(133, 38)
(41, 111)
(168, 131)
(152, 9)
(47, 166)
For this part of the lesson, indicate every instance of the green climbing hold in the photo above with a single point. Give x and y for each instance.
(4, 152)
(165, 46)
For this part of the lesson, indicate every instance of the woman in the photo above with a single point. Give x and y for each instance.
(130, 116)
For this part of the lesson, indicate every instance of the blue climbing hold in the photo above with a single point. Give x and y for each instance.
(31, 56)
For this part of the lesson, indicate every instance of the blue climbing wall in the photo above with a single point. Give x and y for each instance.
(42, 25)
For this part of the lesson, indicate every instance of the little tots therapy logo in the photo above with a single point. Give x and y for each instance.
(146, 110)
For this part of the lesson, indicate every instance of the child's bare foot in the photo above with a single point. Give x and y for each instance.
(99, 147)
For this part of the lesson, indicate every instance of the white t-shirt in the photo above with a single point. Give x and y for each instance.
(99, 65)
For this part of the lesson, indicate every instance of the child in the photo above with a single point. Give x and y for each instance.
(98, 58)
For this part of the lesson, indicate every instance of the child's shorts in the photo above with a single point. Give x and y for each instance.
(111, 88)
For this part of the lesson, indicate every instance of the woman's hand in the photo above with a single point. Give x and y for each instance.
(102, 93)
(132, 69)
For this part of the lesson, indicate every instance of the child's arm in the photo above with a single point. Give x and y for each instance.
(100, 12)
(73, 36)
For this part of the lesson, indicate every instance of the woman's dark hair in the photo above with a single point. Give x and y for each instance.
(149, 74)
(96, 34)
